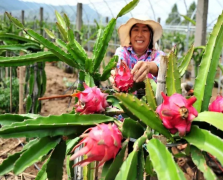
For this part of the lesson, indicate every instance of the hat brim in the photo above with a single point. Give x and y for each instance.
(124, 30)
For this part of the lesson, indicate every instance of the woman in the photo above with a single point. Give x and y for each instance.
(138, 38)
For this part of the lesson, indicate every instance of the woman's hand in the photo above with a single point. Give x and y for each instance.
(112, 80)
(141, 70)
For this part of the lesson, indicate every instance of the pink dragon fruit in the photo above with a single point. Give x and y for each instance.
(217, 105)
(123, 77)
(102, 143)
(91, 100)
(177, 113)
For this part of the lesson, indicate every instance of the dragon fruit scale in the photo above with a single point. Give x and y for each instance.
(123, 77)
(177, 113)
(101, 143)
(90, 101)
(217, 105)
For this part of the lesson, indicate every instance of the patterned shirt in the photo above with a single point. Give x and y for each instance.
(130, 57)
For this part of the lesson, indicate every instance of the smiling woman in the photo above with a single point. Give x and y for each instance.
(138, 39)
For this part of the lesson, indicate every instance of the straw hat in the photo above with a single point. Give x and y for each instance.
(123, 30)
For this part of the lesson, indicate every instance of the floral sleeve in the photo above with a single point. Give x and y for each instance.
(120, 52)
(157, 57)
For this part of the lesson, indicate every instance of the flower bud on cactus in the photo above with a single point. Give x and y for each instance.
(177, 113)
(102, 143)
(123, 77)
(217, 105)
(91, 100)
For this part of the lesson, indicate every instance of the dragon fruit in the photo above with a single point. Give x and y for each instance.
(90, 101)
(123, 77)
(177, 113)
(217, 105)
(102, 143)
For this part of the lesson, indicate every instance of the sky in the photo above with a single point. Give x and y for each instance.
(153, 8)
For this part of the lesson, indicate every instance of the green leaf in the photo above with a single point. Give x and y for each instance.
(114, 101)
(107, 70)
(27, 59)
(69, 167)
(150, 95)
(28, 103)
(149, 167)
(188, 19)
(89, 80)
(70, 34)
(78, 57)
(55, 165)
(89, 171)
(62, 32)
(102, 45)
(206, 141)
(205, 79)
(89, 66)
(128, 169)
(112, 167)
(61, 43)
(99, 35)
(30, 143)
(213, 118)
(49, 33)
(173, 81)
(19, 47)
(201, 164)
(64, 124)
(31, 82)
(60, 20)
(7, 119)
(42, 175)
(141, 165)
(15, 21)
(186, 60)
(19, 39)
(8, 164)
(132, 129)
(67, 20)
(71, 144)
(163, 162)
(67, 58)
(128, 7)
(143, 112)
(34, 153)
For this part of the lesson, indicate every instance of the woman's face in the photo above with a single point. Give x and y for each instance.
(140, 37)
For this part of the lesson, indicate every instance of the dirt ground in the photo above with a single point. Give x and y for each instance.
(57, 84)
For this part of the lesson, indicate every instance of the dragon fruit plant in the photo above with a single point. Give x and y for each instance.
(123, 77)
(145, 144)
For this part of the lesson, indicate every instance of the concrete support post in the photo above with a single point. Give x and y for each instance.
(79, 20)
(201, 22)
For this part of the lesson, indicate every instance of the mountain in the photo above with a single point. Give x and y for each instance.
(32, 11)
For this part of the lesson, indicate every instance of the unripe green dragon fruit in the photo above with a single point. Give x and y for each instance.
(102, 143)
(123, 77)
(177, 113)
(217, 105)
(91, 100)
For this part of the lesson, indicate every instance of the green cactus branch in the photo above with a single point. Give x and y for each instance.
(205, 79)
(27, 59)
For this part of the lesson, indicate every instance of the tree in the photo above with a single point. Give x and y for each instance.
(174, 17)
(189, 13)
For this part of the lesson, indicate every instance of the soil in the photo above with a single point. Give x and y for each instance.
(58, 83)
